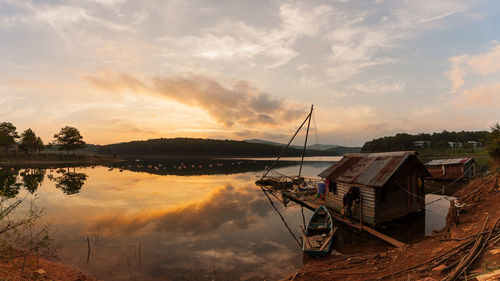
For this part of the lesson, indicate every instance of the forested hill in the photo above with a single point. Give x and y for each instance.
(341, 150)
(437, 140)
(204, 147)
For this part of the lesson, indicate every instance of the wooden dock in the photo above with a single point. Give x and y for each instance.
(314, 205)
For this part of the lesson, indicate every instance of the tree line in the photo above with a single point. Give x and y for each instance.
(203, 147)
(68, 138)
(406, 141)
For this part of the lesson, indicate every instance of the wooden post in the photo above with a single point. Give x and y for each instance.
(361, 212)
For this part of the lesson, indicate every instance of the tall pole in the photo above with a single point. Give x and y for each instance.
(284, 149)
(305, 142)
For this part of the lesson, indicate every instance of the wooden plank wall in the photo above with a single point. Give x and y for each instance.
(334, 201)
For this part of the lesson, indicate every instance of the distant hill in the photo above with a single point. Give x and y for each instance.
(205, 148)
(338, 149)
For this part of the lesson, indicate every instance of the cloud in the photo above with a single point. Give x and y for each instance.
(482, 64)
(242, 103)
(483, 95)
(225, 205)
(236, 40)
(380, 88)
(362, 38)
(474, 71)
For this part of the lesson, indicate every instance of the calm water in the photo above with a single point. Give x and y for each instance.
(155, 222)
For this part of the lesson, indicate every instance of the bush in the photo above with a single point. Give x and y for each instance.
(494, 144)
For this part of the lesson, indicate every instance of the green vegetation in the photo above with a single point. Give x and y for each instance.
(434, 142)
(204, 148)
(8, 135)
(494, 143)
(68, 139)
(30, 142)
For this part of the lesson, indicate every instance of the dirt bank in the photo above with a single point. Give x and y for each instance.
(43, 269)
(421, 261)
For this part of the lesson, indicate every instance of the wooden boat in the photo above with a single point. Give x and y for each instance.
(318, 237)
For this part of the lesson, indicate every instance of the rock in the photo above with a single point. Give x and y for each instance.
(40, 272)
(439, 268)
(355, 260)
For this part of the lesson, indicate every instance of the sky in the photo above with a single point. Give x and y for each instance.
(121, 70)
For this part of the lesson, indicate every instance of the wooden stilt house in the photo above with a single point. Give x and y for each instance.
(391, 184)
(452, 169)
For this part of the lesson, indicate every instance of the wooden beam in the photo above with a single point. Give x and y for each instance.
(305, 239)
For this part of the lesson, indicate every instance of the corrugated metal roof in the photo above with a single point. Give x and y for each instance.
(373, 169)
(453, 161)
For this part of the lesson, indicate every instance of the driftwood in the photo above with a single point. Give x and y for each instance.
(470, 257)
(476, 243)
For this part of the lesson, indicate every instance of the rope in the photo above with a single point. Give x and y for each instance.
(282, 219)
(442, 190)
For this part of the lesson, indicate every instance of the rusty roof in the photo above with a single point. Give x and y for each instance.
(454, 161)
(372, 169)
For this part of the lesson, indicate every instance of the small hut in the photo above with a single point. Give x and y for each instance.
(452, 169)
(391, 184)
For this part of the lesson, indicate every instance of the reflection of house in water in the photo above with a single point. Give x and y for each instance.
(391, 184)
(452, 169)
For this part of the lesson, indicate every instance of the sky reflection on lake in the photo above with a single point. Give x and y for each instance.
(147, 223)
(156, 227)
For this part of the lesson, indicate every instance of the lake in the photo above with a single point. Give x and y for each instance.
(154, 220)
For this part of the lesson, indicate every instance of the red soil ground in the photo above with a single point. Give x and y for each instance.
(477, 206)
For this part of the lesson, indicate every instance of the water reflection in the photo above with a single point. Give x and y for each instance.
(32, 179)
(70, 182)
(9, 187)
(148, 227)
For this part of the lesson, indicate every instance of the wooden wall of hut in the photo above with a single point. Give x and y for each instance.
(334, 201)
(402, 195)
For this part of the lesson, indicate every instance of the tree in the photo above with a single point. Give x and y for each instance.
(494, 143)
(8, 135)
(69, 138)
(39, 144)
(29, 141)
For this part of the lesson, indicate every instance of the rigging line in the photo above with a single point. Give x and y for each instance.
(282, 219)
(315, 128)
(285, 148)
(305, 141)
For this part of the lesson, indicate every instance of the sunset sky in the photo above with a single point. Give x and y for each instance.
(123, 70)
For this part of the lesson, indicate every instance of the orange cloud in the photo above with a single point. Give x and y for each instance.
(242, 104)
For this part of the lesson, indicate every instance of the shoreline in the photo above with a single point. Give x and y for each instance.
(19, 159)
